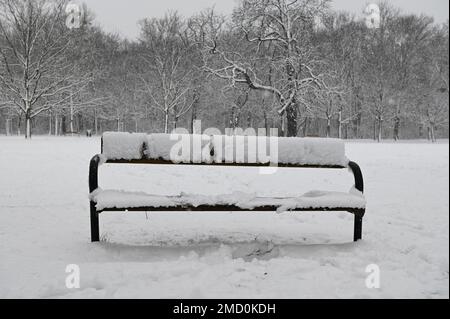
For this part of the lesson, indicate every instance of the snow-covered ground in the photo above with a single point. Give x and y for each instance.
(44, 226)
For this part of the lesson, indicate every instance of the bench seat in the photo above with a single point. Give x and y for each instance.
(114, 200)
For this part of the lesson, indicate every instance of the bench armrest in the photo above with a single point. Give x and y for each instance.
(359, 181)
(93, 173)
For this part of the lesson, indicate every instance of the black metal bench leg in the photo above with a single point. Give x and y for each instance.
(95, 229)
(358, 227)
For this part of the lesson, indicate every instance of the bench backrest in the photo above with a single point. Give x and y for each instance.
(223, 150)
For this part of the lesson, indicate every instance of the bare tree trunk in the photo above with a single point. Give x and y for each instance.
(27, 120)
(397, 128)
(306, 127)
(193, 119)
(356, 123)
(380, 129)
(166, 122)
(95, 123)
(233, 118)
(80, 123)
(56, 125)
(7, 126)
(63, 124)
(355, 128)
(19, 123)
(328, 127)
(195, 105)
(433, 133)
(340, 124)
(266, 122)
(374, 129)
(71, 115)
(291, 117)
(50, 121)
(28, 127)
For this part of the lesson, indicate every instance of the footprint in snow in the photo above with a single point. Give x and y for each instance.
(256, 250)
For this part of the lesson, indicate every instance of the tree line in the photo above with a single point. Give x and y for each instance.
(295, 65)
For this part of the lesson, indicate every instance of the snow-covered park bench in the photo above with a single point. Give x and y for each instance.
(164, 149)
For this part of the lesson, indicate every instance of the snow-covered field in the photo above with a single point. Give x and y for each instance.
(44, 226)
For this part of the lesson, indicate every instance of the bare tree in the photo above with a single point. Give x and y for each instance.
(201, 29)
(411, 34)
(379, 70)
(432, 106)
(168, 80)
(34, 69)
(342, 40)
(235, 99)
(281, 28)
(329, 106)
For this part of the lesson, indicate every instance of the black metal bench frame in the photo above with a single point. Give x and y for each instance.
(93, 185)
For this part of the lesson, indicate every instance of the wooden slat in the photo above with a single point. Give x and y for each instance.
(230, 208)
(165, 162)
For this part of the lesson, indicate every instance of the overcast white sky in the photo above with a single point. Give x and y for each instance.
(121, 16)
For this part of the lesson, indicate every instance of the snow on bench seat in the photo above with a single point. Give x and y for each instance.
(295, 151)
(114, 199)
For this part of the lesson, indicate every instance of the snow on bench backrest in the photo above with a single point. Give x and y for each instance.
(123, 146)
(168, 147)
(184, 148)
(281, 150)
(312, 151)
